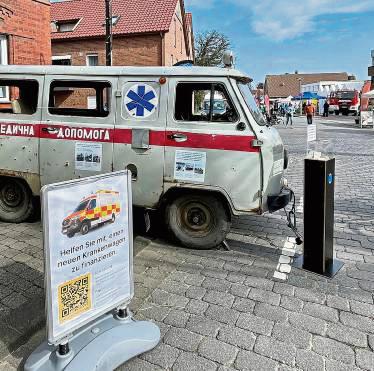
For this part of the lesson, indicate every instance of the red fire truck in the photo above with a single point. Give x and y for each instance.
(347, 101)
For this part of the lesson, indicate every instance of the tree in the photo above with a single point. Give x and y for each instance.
(260, 85)
(210, 47)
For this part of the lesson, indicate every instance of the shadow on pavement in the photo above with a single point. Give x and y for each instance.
(20, 322)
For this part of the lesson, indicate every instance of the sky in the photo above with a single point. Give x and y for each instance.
(279, 36)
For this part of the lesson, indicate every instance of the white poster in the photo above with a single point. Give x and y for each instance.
(367, 118)
(88, 238)
(190, 166)
(312, 133)
(88, 156)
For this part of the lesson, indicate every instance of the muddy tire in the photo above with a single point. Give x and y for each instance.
(85, 227)
(16, 203)
(71, 234)
(197, 221)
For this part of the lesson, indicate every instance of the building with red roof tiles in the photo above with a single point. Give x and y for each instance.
(25, 32)
(145, 32)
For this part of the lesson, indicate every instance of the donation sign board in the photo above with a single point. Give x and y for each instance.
(88, 247)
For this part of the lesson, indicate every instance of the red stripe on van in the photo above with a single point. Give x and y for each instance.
(213, 141)
(194, 140)
(13, 129)
(124, 136)
(79, 133)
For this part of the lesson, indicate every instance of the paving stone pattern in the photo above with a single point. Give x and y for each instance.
(223, 310)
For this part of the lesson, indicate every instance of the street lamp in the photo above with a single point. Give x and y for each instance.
(108, 32)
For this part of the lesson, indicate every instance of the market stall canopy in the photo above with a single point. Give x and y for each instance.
(369, 94)
(308, 95)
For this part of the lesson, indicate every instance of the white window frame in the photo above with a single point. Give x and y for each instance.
(4, 61)
(61, 58)
(75, 22)
(92, 55)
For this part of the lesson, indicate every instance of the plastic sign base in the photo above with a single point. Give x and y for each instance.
(103, 345)
(331, 269)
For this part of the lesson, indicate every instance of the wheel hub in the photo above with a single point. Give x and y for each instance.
(11, 195)
(196, 217)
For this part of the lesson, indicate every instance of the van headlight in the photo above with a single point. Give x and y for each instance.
(75, 221)
(285, 157)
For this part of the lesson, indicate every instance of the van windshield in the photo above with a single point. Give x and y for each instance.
(245, 89)
(82, 206)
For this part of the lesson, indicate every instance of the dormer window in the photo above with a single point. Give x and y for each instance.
(65, 26)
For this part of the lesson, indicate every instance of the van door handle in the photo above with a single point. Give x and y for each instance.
(50, 130)
(178, 137)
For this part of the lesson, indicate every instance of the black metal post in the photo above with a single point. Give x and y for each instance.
(319, 184)
(108, 32)
(63, 349)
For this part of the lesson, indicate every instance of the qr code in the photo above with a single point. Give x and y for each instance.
(74, 298)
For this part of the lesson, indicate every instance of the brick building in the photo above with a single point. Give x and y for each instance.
(282, 86)
(25, 32)
(145, 32)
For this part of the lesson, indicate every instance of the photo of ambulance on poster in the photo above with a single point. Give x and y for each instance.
(88, 240)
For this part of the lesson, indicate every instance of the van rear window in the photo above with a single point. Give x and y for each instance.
(18, 97)
(80, 98)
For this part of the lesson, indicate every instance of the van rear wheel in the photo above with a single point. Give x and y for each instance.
(16, 203)
(197, 221)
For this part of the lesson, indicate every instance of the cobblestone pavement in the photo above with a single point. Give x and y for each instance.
(225, 310)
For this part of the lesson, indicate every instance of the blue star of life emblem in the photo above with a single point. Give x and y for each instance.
(140, 100)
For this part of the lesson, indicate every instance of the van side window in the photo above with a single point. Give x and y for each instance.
(204, 102)
(80, 98)
(19, 96)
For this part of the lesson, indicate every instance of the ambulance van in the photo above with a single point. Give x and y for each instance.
(197, 165)
(92, 211)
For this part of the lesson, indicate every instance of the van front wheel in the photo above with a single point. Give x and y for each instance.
(198, 221)
(16, 204)
(85, 228)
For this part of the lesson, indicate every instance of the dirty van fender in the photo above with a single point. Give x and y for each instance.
(178, 190)
(31, 179)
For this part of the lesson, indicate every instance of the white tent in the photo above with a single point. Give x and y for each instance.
(285, 100)
(369, 94)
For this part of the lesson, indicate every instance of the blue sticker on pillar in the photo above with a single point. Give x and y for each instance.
(330, 178)
(140, 101)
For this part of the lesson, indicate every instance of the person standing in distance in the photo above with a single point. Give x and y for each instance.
(326, 107)
(289, 114)
(309, 111)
